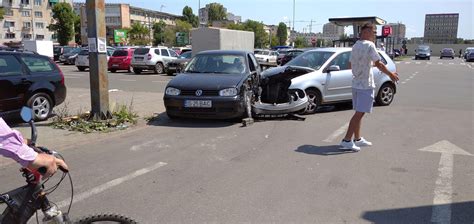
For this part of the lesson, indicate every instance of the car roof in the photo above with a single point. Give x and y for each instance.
(236, 52)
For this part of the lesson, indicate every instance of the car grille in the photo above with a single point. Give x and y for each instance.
(204, 93)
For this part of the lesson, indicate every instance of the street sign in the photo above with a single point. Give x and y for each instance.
(386, 31)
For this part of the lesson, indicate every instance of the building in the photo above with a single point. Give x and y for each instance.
(332, 31)
(234, 18)
(230, 17)
(27, 20)
(398, 32)
(441, 28)
(120, 16)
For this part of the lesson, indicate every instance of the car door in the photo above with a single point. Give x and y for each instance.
(339, 83)
(166, 56)
(13, 84)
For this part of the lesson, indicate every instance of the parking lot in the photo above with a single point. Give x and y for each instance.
(283, 171)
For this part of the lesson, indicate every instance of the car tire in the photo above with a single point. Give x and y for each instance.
(159, 68)
(42, 106)
(113, 70)
(137, 71)
(385, 95)
(314, 98)
(428, 58)
(80, 68)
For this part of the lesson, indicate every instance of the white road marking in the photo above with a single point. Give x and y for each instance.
(439, 63)
(418, 63)
(397, 62)
(149, 144)
(407, 62)
(441, 212)
(101, 188)
(113, 90)
(337, 133)
(404, 82)
(451, 63)
(463, 63)
(128, 80)
(429, 63)
(468, 65)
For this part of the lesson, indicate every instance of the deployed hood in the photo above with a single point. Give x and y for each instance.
(206, 81)
(284, 73)
(181, 60)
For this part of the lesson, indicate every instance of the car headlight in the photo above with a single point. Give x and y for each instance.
(228, 92)
(172, 91)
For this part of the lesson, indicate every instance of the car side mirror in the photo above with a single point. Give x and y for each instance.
(334, 68)
(26, 114)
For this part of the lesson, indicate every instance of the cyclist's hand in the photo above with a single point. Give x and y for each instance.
(50, 162)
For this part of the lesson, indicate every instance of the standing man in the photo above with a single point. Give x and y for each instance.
(363, 55)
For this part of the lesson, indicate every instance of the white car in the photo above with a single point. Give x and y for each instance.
(330, 80)
(266, 56)
(152, 58)
(82, 60)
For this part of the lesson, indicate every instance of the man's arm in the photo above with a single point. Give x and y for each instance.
(393, 75)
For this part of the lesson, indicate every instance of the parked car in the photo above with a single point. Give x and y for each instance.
(447, 53)
(32, 80)
(60, 50)
(423, 52)
(152, 58)
(178, 65)
(223, 84)
(290, 55)
(469, 54)
(181, 50)
(121, 59)
(70, 57)
(281, 54)
(266, 56)
(330, 79)
(82, 59)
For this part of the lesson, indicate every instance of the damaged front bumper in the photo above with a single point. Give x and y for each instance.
(298, 101)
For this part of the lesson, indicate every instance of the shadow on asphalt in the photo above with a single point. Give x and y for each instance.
(163, 120)
(460, 213)
(328, 150)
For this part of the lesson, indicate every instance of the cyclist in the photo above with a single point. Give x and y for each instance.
(12, 145)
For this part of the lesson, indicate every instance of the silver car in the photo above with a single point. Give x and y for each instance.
(330, 80)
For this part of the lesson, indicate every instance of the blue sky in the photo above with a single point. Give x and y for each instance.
(410, 12)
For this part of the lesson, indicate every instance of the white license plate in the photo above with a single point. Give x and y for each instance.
(198, 103)
(115, 65)
(172, 68)
(138, 59)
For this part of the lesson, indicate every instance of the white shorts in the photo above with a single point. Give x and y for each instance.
(362, 100)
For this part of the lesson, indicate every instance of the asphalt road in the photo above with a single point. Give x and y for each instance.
(285, 171)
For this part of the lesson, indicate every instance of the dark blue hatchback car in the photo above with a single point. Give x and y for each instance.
(29, 79)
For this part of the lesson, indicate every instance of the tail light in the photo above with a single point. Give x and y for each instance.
(60, 72)
(148, 57)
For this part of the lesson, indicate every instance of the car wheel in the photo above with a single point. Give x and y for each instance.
(81, 68)
(428, 58)
(137, 71)
(159, 68)
(314, 98)
(385, 95)
(113, 70)
(169, 73)
(42, 105)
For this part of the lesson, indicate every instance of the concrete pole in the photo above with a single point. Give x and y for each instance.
(99, 82)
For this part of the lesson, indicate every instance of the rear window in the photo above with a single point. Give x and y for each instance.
(36, 64)
(120, 53)
(9, 65)
(141, 51)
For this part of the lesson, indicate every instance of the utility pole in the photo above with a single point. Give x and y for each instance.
(310, 26)
(99, 82)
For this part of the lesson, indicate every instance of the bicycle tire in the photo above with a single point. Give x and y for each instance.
(105, 217)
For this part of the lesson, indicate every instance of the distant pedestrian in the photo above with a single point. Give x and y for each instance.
(406, 51)
(460, 53)
(364, 54)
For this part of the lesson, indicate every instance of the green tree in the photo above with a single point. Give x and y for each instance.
(138, 34)
(77, 29)
(282, 33)
(189, 16)
(64, 22)
(158, 32)
(300, 42)
(2, 12)
(170, 37)
(216, 12)
(275, 41)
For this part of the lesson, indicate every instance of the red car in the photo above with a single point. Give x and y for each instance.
(120, 59)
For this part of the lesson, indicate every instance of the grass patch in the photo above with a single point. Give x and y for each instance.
(123, 116)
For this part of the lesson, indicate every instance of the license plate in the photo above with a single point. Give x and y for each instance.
(115, 65)
(138, 59)
(172, 68)
(198, 103)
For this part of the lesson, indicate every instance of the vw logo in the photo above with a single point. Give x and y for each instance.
(198, 92)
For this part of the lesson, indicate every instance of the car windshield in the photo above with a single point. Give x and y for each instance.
(120, 53)
(141, 51)
(186, 55)
(216, 63)
(448, 50)
(311, 59)
(423, 48)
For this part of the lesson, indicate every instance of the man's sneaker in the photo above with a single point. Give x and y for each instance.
(362, 142)
(349, 146)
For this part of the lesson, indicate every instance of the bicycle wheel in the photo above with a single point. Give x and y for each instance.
(105, 218)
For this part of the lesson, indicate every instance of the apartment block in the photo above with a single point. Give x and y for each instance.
(27, 20)
(441, 28)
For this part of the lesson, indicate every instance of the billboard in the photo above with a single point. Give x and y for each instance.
(120, 36)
